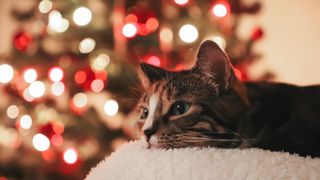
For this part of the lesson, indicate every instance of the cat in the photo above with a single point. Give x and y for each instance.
(207, 105)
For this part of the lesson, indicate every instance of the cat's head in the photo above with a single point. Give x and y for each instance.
(195, 107)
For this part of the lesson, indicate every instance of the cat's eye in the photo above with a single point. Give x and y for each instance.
(143, 113)
(179, 108)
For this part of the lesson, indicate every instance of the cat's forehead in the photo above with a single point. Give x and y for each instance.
(183, 86)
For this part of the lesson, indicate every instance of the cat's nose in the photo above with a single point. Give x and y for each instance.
(149, 132)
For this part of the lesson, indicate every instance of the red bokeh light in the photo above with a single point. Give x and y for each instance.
(80, 77)
(22, 40)
(153, 60)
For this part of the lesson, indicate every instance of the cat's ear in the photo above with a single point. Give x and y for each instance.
(214, 62)
(149, 74)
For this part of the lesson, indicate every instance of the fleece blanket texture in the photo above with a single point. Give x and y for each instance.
(133, 161)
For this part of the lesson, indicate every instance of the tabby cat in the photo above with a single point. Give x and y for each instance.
(208, 106)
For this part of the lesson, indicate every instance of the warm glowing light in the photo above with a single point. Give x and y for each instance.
(40, 142)
(219, 40)
(131, 18)
(111, 107)
(129, 30)
(100, 62)
(153, 60)
(25, 122)
(97, 85)
(188, 33)
(87, 45)
(58, 127)
(56, 74)
(82, 16)
(37, 89)
(70, 156)
(57, 88)
(80, 77)
(80, 100)
(152, 24)
(6, 73)
(238, 73)
(166, 35)
(56, 140)
(181, 2)
(57, 23)
(13, 111)
(45, 6)
(219, 10)
(30, 75)
(27, 96)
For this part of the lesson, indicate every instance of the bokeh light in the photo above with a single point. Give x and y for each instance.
(166, 35)
(57, 23)
(70, 156)
(154, 60)
(25, 122)
(27, 96)
(40, 142)
(80, 77)
(82, 16)
(87, 45)
(37, 89)
(56, 74)
(80, 100)
(181, 2)
(30, 75)
(111, 107)
(56, 140)
(152, 24)
(13, 111)
(45, 6)
(219, 10)
(129, 30)
(219, 40)
(100, 62)
(188, 33)
(57, 88)
(97, 85)
(6, 73)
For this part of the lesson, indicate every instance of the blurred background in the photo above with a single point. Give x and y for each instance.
(68, 82)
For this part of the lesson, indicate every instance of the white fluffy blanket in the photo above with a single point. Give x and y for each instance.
(133, 161)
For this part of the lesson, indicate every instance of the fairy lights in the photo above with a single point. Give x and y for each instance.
(40, 142)
(82, 16)
(6, 73)
(188, 33)
(111, 107)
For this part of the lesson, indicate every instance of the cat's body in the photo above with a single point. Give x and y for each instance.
(283, 118)
(207, 106)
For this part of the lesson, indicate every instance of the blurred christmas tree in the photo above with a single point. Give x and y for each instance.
(67, 86)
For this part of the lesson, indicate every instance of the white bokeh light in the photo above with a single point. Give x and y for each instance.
(57, 88)
(82, 16)
(129, 30)
(57, 23)
(97, 85)
(30, 75)
(87, 45)
(45, 6)
(100, 62)
(56, 74)
(25, 122)
(13, 111)
(111, 107)
(181, 2)
(6, 73)
(37, 89)
(219, 10)
(188, 33)
(80, 100)
(70, 156)
(219, 40)
(166, 35)
(40, 142)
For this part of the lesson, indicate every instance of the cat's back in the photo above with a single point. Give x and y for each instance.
(287, 115)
